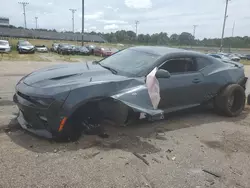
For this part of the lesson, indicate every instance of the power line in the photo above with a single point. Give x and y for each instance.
(136, 26)
(82, 22)
(36, 22)
(73, 19)
(24, 12)
(224, 24)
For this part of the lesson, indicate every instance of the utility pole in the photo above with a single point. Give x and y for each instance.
(224, 24)
(194, 30)
(82, 22)
(233, 29)
(232, 37)
(136, 26)
(24, 12)
(36, 22)
(73, 19)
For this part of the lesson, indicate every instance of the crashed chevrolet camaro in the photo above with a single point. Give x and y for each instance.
(54, 101)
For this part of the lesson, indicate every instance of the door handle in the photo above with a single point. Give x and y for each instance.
(196, 80)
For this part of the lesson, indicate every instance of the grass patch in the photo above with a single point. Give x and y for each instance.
(15, 56)
(245, 62)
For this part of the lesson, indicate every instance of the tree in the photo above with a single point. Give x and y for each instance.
(186, 38)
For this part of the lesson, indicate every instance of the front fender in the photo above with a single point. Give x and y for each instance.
(132, 93)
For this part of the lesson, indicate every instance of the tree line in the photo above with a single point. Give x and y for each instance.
(183, 39)
(162, 38)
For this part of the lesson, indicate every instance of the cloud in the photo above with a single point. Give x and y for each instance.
(138, 4)
(108, 7)
(113, 21)
(50, 3)
(111, 27)
(92, 28)
(93, 16)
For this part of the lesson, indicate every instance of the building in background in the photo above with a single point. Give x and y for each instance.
(4, 21)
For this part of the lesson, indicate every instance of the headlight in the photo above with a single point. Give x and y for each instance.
(42, 101)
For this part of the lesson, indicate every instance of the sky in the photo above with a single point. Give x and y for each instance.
(154, 16)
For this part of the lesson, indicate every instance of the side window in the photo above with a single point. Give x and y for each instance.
(202, 63)
(181, 65)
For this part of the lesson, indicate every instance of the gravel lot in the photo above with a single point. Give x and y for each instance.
(178, 151)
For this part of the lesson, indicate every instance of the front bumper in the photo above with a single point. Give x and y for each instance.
(32, 50)
(25, 125)
(40, 120)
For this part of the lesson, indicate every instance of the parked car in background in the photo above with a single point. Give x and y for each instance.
(75, 50)
(248, 57)
(64, 49)
(104, 52)
(83, 51)
(54, 47)
(220, 56)
(41, 48)
(4, 46)
(91, 48)
(235, 58)
(25, 47)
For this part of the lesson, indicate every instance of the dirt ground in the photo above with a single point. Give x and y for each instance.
(190, 149)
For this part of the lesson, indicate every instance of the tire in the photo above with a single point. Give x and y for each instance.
(248, 99)
(231, 101)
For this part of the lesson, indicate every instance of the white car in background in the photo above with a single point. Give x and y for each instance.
(234, 58)
(41, 48)
(4, 46)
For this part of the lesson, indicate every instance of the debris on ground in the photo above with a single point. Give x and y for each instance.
(91, 155)
(140, 157)
(167, 157)
(173, 158)
(211, 173)
(169, 150)
(156, 160)
(55, 150)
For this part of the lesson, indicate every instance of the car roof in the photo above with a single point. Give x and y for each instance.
(4, 41)
(162, 51)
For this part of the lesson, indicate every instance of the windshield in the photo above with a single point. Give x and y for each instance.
(4, 43)
(25, 43)
(130, 62)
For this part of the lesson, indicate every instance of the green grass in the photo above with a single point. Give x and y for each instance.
(15, 56)
(245, 62)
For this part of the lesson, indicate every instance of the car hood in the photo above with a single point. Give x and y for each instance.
(70, 75)
(4, 46)
(26, 47)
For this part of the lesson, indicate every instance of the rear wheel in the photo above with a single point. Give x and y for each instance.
(248, 99)
(231, 101)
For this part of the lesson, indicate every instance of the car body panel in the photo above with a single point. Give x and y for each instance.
(58, 91)
(4, 46)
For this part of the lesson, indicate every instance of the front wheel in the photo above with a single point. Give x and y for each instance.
(231, 101)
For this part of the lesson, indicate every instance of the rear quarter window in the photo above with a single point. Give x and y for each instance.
(202, 63)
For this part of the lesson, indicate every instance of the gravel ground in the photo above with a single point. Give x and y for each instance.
(189, 149)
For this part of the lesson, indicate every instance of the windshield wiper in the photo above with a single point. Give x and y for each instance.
(109, 68)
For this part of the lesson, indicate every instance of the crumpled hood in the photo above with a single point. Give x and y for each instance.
(70, 75)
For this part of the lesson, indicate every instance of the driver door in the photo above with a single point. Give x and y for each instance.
(182, 89)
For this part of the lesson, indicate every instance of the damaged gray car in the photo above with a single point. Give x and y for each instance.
(60, 101)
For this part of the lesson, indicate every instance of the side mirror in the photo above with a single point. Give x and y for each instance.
(161, 73)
